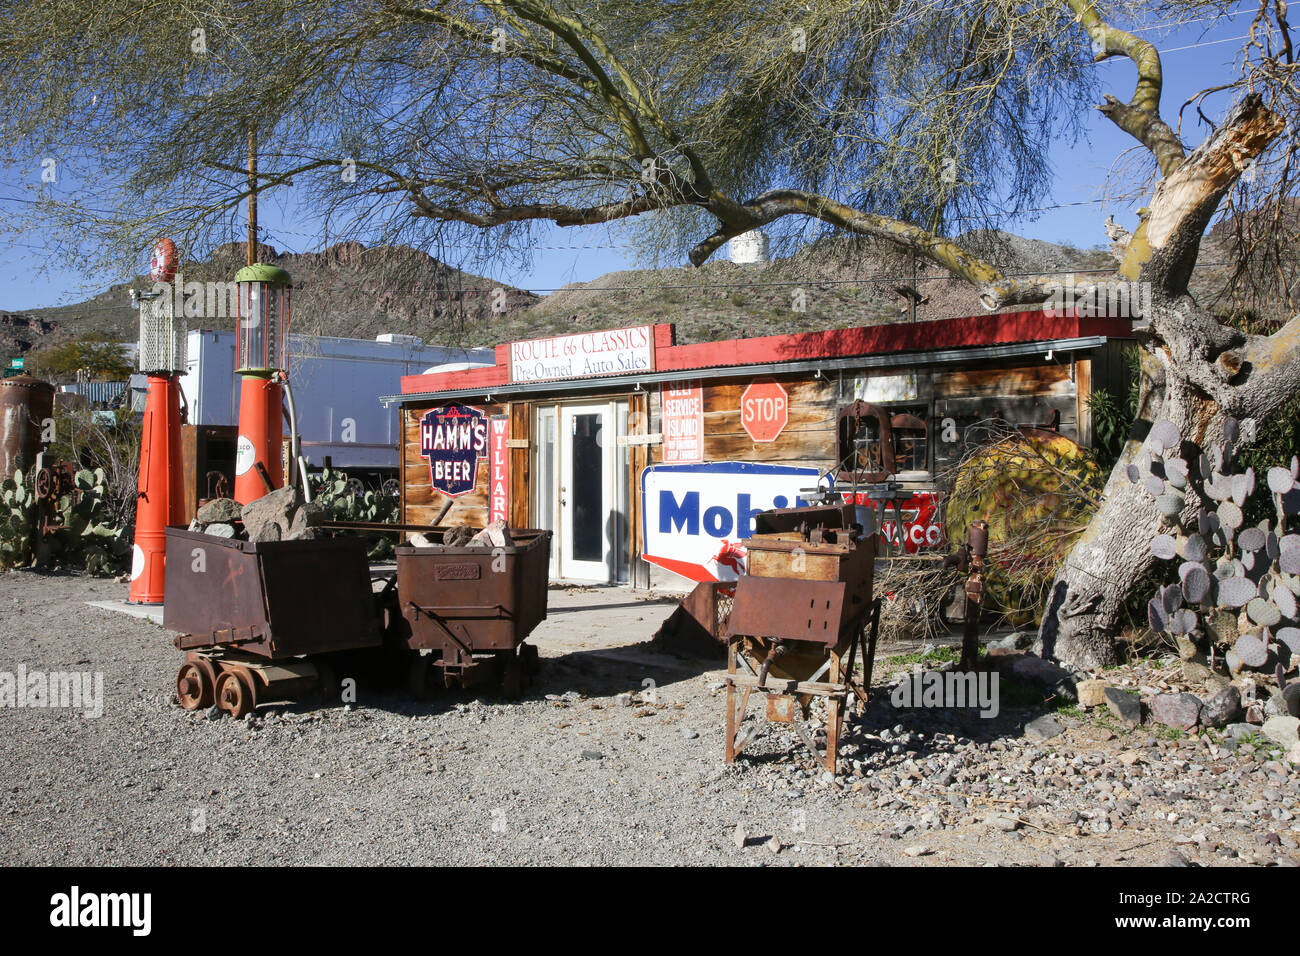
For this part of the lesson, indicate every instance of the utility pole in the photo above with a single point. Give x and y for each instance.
(252, 195)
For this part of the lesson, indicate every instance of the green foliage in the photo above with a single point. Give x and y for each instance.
(346, 499)
(85, 537)
(113, 449)
(938, 655)
(1112, 415)
(100, 357)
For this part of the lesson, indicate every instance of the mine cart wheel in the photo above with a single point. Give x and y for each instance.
(235, 694)
(512, 675)
(528, 655)
(194, 687)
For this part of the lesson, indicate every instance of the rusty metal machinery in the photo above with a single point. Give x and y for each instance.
(275, 620)
(468, 610)
(800, 618)
(53, 483)
(262, 620)
(969, 560)
(25, 404)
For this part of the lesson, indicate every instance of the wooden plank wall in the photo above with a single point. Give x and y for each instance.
(521, 463)
(1018, 394)
(808, 438)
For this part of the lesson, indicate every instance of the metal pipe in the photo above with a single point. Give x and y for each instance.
(294, 448)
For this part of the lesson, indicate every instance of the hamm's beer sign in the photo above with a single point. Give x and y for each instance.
(696, 515)
(453, 437)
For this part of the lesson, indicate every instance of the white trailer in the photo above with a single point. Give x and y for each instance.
(336, 387)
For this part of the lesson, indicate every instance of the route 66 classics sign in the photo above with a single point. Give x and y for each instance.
(453, 438)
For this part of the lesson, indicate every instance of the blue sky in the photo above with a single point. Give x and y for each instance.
(1193, 59)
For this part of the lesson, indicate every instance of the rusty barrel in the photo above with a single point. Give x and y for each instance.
(276, 599)
(460, 600)
(25, 403)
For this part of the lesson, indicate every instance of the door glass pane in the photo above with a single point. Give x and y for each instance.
(586, 496)
(545, 477)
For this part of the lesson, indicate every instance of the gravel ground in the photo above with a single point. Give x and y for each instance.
(585, 770)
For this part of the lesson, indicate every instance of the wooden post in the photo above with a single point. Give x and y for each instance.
(834, 715)
(978, 538)
(252, 195)
(730, 755)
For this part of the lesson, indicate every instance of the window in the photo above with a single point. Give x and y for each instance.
(877, 442)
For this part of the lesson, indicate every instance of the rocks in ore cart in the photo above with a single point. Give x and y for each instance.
(495, 535)
(280, 515)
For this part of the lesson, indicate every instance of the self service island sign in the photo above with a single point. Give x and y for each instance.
(589, 354)
(696, 515)
(453, 438)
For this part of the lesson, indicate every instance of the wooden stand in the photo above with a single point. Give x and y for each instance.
(782, 695)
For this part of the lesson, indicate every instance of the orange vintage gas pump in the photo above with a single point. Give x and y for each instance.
(262, 337)
(161, 481)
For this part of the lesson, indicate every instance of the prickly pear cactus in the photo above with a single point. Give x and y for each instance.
(84, 537)
(1237, 594)
(19, 517)
(347, 499)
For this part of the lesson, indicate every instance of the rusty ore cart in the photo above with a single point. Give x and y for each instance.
(257, 620)
(798, 620)
(467, 611)
(279, 620)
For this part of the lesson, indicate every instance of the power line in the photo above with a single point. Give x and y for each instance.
(782, 284)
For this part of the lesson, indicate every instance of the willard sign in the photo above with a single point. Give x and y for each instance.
(453, 438)
(696, 515)
(611, 352)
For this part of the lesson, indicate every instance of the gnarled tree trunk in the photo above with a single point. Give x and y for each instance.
(1196, 373)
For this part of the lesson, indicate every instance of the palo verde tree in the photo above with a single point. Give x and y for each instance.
(897, 120)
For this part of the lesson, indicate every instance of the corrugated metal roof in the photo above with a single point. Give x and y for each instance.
(643, 379)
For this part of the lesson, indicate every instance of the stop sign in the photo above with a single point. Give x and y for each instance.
(764, 410)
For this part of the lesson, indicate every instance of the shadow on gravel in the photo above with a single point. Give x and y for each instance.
(592, 673)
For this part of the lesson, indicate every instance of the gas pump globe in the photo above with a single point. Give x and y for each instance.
(261, 354)
(263, 333)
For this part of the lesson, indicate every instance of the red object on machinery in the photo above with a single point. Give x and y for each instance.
(161, 489)
(163, 261)
(261, 431)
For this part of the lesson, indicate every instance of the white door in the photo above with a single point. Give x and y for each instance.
(588, 440)
(546, 483)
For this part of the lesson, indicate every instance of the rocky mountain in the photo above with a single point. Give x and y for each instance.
(353, 291)
(346, 290)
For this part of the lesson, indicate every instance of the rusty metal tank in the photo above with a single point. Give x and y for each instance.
(25, 403)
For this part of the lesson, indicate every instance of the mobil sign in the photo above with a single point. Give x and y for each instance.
(694, 516)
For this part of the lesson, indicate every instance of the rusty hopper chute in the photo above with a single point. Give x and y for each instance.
(798, 623)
